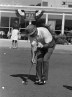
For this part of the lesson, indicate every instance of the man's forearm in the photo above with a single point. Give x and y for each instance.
(33, 55)
(46, 45)
(50, 44)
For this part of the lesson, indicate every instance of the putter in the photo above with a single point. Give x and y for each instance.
(35, 56)
(26, 81)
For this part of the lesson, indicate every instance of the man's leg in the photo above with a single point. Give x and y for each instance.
(39, 67)
(45, 70)
(46, 64)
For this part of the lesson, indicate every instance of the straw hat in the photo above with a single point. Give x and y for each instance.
(31, 29)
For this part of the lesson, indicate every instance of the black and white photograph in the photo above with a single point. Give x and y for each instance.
(35, 48)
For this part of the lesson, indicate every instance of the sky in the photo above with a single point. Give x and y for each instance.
(28, 2)
(20, 2)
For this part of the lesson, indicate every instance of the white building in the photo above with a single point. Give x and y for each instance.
(57, 3)
(56, 16)
(58, 13)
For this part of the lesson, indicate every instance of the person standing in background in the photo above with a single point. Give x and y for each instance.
(15, 34)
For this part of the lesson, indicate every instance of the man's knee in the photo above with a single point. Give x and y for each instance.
(40, 59)
(48, 55)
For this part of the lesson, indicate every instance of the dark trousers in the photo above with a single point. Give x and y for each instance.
(43, 57)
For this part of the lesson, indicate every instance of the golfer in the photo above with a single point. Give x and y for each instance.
(42, 46)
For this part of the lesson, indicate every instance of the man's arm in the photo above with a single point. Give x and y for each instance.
(33, 53)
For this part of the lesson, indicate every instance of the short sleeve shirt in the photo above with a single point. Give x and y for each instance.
(45, 34)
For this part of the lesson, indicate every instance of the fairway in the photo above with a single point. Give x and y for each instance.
(14, 68)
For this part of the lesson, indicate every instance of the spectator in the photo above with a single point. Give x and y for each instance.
(15, 34)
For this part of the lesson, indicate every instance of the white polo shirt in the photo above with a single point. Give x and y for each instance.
(45, 34)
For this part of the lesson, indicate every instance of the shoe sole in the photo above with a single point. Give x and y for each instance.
(39, 83)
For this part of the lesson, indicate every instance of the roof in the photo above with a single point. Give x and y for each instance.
(34, 8)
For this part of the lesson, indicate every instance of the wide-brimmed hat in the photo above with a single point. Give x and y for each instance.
(31, 29)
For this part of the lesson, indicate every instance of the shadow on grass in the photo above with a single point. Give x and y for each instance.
(25, 77)
(67, 87)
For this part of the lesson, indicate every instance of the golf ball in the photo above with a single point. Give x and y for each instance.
(23, 82)
(3, 88)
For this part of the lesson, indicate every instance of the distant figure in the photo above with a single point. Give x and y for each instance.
(2, 33)
(15, 34)
(14, 37)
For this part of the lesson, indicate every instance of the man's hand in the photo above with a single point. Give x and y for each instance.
(34, 46)
(40, 45)
(33, 61)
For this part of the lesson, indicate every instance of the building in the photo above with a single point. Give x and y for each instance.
(60, 19)
(57, 3)
(58, 14)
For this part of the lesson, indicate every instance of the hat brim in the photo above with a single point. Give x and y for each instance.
(32, 32)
